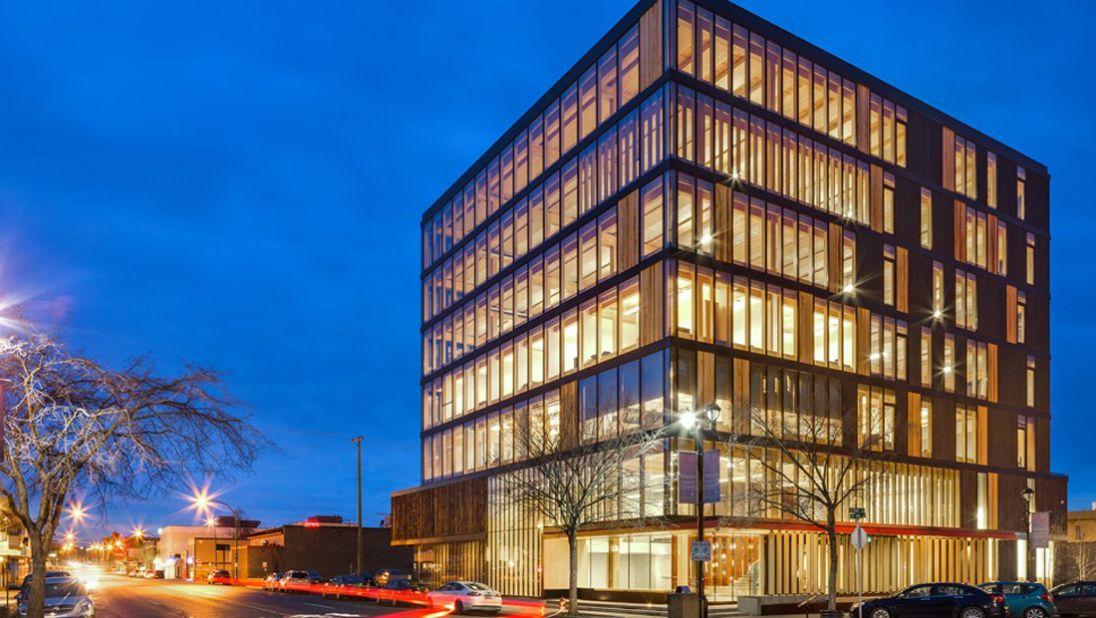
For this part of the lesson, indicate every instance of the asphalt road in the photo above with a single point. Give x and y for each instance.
(124, 597)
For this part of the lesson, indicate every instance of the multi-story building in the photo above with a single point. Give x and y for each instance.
(708, 208)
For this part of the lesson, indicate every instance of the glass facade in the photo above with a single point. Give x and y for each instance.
(705, 214)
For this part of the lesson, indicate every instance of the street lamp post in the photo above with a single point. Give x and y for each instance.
(1028, 494)
(203, 502)
(711, 411)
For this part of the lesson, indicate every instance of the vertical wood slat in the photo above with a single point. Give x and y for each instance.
(863, 339)
(1010, 313)
(902, 280)
(652, 299)
(705, 369)
(723, 237)
(992, 373)
(650, 46)
(991, 243)
(833, 259)
(740, 396)
(806, 327)
(948, 172)
(876, 198)
(913, 416)
(568, 414)
(863, 119)
(628, 213)
(983, 435)
(960, 237)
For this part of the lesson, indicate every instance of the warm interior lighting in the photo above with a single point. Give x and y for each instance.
(706, 240)
(848, 289)
(936, 315)
(947, 369)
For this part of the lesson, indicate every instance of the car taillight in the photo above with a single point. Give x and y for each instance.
(473, 594)
(998, 599)
(1045, 596)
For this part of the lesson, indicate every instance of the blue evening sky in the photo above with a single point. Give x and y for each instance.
(239, 184)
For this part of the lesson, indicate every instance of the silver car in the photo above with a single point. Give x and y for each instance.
(66, 597)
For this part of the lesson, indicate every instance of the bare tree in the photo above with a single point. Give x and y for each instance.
(72, 425)
(572, 486)
(807, 472)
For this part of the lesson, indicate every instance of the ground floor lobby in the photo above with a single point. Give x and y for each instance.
(745, 561)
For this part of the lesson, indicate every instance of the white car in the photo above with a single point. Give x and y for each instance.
(466, 596)
(66, 597)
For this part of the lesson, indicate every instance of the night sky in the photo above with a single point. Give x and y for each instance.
(239, 184)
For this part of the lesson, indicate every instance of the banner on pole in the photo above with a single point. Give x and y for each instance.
(686, 477)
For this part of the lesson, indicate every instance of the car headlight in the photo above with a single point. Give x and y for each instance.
(85, 608)
(22, 609)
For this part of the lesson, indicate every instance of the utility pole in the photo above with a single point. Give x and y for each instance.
(361, 548)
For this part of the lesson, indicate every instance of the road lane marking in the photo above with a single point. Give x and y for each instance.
(318, 605)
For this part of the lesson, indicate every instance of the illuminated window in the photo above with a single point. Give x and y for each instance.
(937, 288)
(1021, 441)
(948, 368)
(607, 84)
(966, 434)
(925, 427)
(757, 69)
(651, 199)
(888, 202)
(685, 308)
(589, 339)
(926, 357)
(991, 179)
(685, 20)
(1029, 259)
(875, 418)
(1021, 193)
(607, 327)
(1030, 381)
(888, 274)
(1021, 316)
(740, 41)
(628, 49)
(629, 315)
(966, 300)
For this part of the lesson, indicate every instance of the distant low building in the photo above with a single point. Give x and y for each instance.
(1076, 558)
(190, 552)
(323, 543)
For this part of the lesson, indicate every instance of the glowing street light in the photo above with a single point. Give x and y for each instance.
(76, 512)
(138, 533)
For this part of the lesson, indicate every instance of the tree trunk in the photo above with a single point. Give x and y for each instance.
(36, 603)
(831, 584)
(572, 581)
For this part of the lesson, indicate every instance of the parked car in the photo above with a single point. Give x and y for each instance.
(220, 576)
(66, 597)
(383, 576)
(466, 596)
(347, 585)
(403, 591)
(935, 600)
(1076, 599)
(299, 581)
(49, 574)
(154, 574)
(1023, 599)
(270, 582)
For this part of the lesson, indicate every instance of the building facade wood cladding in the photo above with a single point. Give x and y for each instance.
(456, 510)
(651, 63)
(628, 213)
(652, 286)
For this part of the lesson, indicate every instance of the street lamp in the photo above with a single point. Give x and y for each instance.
(203, 502)
(1028, 494)
(689, 421)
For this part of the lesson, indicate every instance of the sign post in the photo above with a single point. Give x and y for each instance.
(859, 540)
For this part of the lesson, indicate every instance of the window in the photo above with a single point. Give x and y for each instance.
(888, 274)
(568, 103)
(629, 64)
(1029, 259)
(926, 357)
(966, 434)
(965, 169)
(1021, 441)
(875, 418)
(925, 427)
(937, 289)
(1021, 316)
(629, 314)
(1030, 381)
(685, 37)
(926, 218)
(587, 101)
(607, 84)
(991, 179)
(651, 198)
(977, 370)
(1021, 193)
(888, 202)
(949, 363)
(966, 300)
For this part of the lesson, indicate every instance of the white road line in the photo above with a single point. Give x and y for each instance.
(323, 606)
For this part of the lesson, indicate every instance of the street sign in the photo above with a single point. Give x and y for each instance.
(700, 551)
(860, 538)
(1040, 529)
(856, 513)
